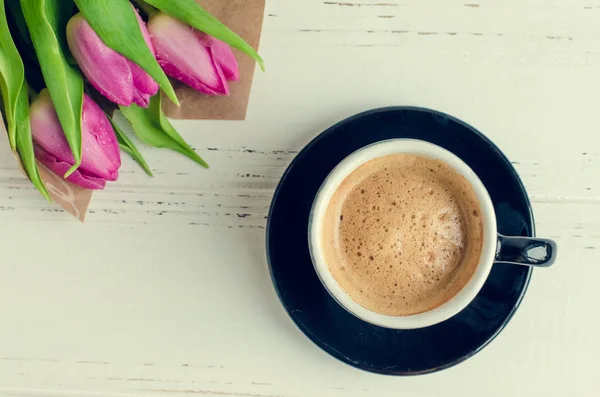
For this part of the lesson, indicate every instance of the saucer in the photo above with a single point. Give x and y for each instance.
(331, 327)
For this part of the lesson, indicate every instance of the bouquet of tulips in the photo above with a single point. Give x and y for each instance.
(56, 55)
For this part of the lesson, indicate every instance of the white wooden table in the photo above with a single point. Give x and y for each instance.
(165, 290)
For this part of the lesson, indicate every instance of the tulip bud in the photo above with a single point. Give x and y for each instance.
(192, 57)
(101, 159)
(223, 55)
(114, 76)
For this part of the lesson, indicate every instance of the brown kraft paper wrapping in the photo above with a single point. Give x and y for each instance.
(244, 17)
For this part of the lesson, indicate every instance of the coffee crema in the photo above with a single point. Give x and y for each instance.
(403, 234)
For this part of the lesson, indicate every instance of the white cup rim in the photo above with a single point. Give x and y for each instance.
(376, 150)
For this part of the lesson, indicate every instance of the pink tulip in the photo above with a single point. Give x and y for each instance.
(117, 78)
(223, 55)
(192, 57)
(101, 159)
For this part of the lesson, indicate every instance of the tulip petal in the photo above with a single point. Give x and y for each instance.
(46, 129)
(107, 70)
(117, 24)
(144, 85)
(100, 151)
(183, 56)
(99, 146)
(224, 56)
(145, 32)
(60, 168)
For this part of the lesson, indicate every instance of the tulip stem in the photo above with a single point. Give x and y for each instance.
(32, 93)
(147, 8)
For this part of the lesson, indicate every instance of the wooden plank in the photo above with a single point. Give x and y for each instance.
(165, 290)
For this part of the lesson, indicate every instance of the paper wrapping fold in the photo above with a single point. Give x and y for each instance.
(245, 18)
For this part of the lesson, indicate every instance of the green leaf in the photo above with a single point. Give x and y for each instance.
(193, 14)
(129, 147)
(25, 142)
(12, 75)
(116, 24)
(18, 22)
(16, 103)
(47, 21)
(154, 129)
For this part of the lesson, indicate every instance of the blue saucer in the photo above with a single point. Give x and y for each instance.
(322, 319)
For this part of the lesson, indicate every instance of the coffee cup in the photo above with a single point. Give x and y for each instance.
(492, 247)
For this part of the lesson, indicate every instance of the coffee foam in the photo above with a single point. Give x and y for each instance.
(403, 234)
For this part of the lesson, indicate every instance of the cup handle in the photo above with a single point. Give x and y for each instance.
(526, 251)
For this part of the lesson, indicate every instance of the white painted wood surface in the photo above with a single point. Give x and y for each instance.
(165, 290)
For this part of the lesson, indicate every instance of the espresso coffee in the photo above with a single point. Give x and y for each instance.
(403, 234)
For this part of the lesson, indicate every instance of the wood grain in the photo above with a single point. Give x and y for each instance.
(165, 290)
